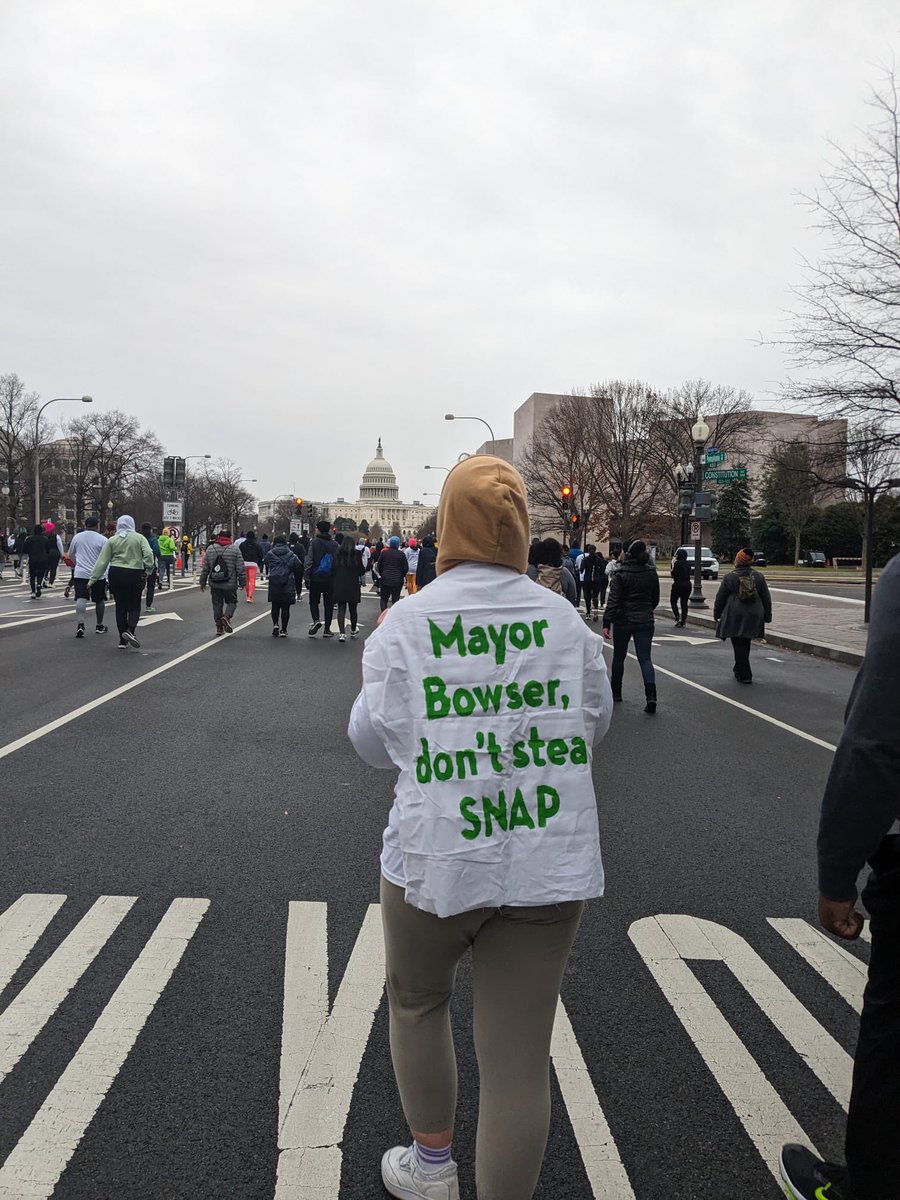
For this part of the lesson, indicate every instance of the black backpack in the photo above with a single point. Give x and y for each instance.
(219, 575)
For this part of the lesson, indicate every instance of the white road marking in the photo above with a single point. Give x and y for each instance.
(34, 620)
(771, 659)
(33, 1168)
(837, 966)
(754, 712)
(691, 641)
(758, 1106)
(817, 595)
(59, 722)
(602, 1164)
(322, 1051)
(20, 928)
(155, 617)
(28, 1012)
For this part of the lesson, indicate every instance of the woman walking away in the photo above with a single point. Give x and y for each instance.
(743, 609)
(504, 876)
(56, 551)
(630, 611)
(426, 571)
(348, 577)
(549, 569)
(36, 549)
(681, 586)
(253, 561)
(130, 560)
(392, 566)
(285, 572)
(412, 561)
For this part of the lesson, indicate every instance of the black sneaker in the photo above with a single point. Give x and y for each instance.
(79, 632)
(102, 629)
(275, 631)
(806, 1177)
(328, 633)
(226, 625)
(314, 628)
(130, 639)
(283, 633)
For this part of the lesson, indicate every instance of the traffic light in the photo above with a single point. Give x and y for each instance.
(576, 520)
(179, 472)
(566, 492)
(168, 472)
(298, 503)
(685, 501)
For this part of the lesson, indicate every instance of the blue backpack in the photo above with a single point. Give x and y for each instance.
(325, 566)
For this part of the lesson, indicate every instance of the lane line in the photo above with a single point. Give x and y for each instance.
(27, 1014)
(320, 1064)
(33, 1168)
(34, 620)
(602, 1163)
(20, 928)
(763, 1114)
(754, 712)
(837, 966)
(817, 595)
(59, 722)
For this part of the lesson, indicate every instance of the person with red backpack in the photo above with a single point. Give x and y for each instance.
(743, 609)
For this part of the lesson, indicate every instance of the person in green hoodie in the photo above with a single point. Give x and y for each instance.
(130, 559)
(167, 552)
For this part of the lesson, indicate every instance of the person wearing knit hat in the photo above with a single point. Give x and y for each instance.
(742, 610)
(492, 844)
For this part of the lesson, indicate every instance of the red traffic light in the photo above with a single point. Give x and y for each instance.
(576, 520)
(298, 502)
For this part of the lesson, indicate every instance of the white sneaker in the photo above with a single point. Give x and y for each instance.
(403, 1178)
(342, 637)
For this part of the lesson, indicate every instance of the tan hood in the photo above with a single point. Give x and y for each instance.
(483, 515)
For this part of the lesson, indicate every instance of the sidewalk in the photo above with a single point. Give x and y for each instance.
(825, 627)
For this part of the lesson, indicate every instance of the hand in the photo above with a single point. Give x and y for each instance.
(841, 918)
(607, 634)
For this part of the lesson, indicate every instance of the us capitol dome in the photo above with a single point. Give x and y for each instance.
(379, 501)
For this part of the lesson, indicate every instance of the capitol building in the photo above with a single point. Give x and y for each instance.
(379, 501)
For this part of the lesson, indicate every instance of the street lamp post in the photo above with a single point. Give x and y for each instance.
(427, 468)
(37, 445)
(454, 417)
(869, 491)
(699, 435)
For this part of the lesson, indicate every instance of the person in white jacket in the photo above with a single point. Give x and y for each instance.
(488, 693)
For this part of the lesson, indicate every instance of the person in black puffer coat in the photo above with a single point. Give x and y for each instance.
(392, 566)
(285, 579)
(426, 568)
(681, 586)
(348, 577)
(630, 611)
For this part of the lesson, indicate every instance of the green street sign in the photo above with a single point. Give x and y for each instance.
(728, 476)
(714, 456)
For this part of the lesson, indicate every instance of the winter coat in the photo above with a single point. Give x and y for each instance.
(37, 548)
(742, 618)
(167, 547)
(321, 545)
(285, 574)
(682, 573)
(633, 595)
(264, 547)
(542, 576)
(234, 562)
(348, 579)
(426, 571)
(392, 567)
(251, 551)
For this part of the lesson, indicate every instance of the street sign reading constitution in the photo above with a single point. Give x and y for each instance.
(728, 476)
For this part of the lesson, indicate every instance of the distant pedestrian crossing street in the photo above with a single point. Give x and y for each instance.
(323, 1046)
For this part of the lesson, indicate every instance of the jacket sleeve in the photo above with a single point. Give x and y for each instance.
(568, 582)
(147, 555)
(862, 795)
(721, 599)
(241, 568)
(102, 562)
(763, 588)
(204, 570)
(362, 733)
(655, 588)
(613, 600)
(298, 571)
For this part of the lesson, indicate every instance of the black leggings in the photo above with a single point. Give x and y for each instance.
(127, 586)
(52, 568)
(390, 595)
(36, 573)
(742, 667)
(679, 595)
(343, 605)
(281, 613)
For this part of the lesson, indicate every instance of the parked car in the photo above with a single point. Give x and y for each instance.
(759, 559)
(811, 558)
(709, 564)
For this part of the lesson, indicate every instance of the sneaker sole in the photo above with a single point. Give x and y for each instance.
(132, 640)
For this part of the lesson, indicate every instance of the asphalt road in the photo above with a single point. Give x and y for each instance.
(226, 777)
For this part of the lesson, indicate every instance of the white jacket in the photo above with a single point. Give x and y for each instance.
(488, 693)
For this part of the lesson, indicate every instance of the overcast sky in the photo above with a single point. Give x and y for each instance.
(275, 230)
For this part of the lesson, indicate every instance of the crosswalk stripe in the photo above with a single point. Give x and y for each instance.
(602, 1164)
(20, 927)
(29, 1011)
(759, 1108)
(320, 1063)
(35, 1164)
(839, 968)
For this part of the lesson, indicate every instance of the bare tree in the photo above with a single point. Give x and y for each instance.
(17, 413)
(734, 426)
(792, 484)
(848, 317)
(560, 454)
(112, 454)
(229, 499)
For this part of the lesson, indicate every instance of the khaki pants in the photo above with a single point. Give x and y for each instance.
(518, 958)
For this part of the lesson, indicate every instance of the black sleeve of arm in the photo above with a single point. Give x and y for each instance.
(613, 602)
(763, 588)
(862, 796)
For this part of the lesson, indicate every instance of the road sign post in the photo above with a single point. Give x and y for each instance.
(696, 531)
(172, 510)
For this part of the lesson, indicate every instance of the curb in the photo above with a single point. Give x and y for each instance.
(791, 641)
